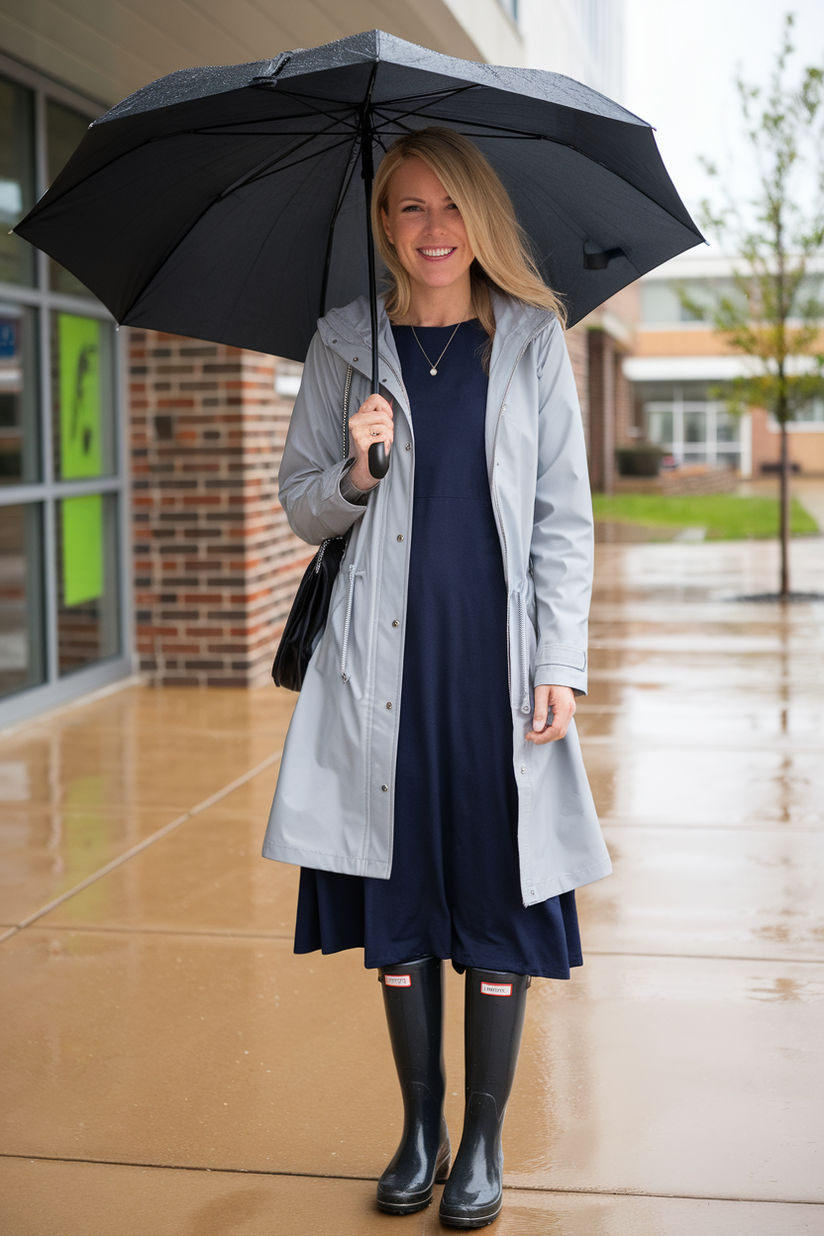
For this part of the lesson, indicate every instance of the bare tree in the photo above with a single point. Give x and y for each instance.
(774, 313)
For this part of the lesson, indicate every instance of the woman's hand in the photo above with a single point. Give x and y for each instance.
(371, 423)
(562, 702)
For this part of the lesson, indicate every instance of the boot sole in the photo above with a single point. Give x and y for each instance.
(404, 1208)
(470, 1221)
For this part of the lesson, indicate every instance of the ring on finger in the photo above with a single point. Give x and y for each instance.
(375, 433)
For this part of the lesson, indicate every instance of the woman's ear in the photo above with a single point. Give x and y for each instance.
(385, 222)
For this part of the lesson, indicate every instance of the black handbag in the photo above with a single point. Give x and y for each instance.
(310, 608)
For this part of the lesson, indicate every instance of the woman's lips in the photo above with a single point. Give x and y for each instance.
(437, 253)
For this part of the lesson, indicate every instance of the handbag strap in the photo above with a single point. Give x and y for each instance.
(347, 389)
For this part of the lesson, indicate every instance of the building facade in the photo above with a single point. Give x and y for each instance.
(139, 525)
(677, 370)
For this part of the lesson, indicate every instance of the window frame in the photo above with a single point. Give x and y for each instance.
(57, 690)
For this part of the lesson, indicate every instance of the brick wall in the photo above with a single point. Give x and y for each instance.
(576, 340)
(601, 409)
(215, 563)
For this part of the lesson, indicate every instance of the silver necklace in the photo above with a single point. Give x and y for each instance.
(433, 365)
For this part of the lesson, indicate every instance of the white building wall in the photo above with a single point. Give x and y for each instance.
(583, 39)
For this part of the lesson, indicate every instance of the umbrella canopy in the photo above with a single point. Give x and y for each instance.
(229, 203)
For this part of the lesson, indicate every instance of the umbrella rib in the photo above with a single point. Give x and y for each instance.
(340, 115)
(270, 170)
(344, 189)
(348, 133)
(394, 103)
(306, 100)
(269, 164)
(494, 129)
(440, 95)
(220, 197)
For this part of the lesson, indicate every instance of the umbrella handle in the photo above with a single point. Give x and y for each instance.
(378, 461)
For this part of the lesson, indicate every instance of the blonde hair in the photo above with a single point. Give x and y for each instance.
(502, 257)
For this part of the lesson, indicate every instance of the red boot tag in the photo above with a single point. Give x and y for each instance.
(496, 989)
(399, 980)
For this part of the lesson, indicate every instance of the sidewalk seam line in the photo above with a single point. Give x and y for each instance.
(144, 844)
(209, 933)
(258, 1171)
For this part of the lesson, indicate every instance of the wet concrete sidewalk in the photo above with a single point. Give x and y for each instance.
(168, 1068)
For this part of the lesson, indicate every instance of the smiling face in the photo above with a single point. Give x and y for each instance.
(427, 231)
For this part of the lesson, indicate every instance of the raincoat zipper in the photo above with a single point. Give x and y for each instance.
(346, 622)
(524, 655)
(524, 666)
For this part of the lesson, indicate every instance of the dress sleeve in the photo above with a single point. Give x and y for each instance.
(309, 481)
(562, 539)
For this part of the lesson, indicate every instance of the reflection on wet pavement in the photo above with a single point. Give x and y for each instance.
(157, 1017)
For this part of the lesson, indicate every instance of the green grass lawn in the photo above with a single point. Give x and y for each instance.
(726, 517)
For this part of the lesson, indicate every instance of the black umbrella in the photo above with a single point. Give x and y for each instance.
(232, 204)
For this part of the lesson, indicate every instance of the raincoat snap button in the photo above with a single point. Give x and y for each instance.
(407, 447)
(389, 706)
(395, 622)
(384, 788)
(400, 536)
(354, 358)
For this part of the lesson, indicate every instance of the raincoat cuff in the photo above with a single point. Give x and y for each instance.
(559, 666)
(349, 490)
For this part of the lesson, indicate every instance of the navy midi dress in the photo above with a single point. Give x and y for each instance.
(454, 891)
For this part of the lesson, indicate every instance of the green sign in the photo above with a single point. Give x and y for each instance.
(79, 341)
(82, 549)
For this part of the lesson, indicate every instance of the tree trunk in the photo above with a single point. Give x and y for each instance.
(784, 503)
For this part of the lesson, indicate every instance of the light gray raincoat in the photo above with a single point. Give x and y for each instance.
(333, 807)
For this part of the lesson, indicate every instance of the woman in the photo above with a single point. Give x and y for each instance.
(431, 786)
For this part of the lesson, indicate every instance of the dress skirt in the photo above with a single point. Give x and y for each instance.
(454, 891)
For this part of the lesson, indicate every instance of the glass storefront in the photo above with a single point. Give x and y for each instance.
(688, 425)
(19, 401)
(63, 616)
(17, 147)
(22, 660)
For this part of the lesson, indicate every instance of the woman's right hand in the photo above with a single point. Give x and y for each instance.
(371, 423)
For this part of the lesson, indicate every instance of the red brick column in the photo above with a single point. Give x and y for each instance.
(576, 339)
(215, 562)
(601, 409)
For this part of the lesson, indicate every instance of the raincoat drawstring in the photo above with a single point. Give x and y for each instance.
(347, 620)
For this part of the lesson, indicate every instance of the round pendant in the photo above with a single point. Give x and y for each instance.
(433, 372)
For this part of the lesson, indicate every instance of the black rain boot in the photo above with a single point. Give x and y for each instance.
(494, 1020)
(413, 999)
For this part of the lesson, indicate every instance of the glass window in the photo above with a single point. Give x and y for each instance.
(19, 405)
(17, 258)
(88, 610)
(82, 397)
(659, 425)
(21, 598)
(727, 427)
(695, 425)
(812, 413)
(64, 131)
(659, 302)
